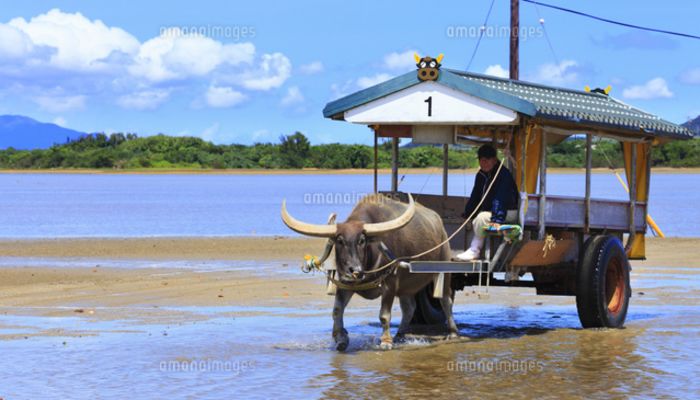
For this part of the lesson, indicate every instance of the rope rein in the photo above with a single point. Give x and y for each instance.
(316, 264)
(464, 224)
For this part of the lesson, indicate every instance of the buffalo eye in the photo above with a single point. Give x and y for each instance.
(433, 64)
(339, 240)
(362, 241)
(423, 64)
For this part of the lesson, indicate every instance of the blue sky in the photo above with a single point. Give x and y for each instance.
(267, 68)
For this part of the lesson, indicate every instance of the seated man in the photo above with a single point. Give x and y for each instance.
(500, 204)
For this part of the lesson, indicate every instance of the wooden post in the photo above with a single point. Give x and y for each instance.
(514, 39)
(589, 165)
(394, 164)
(523, 179)
(543, 186)
(523, 149)
(633, 192)
(445, 166)
(375, 161)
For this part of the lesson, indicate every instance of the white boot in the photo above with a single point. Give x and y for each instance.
(474, 251)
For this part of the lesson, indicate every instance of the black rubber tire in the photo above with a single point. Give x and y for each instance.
(603, 283)
(428, 309)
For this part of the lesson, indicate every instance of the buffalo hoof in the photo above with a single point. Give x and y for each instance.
(400, 338)
(452, 336)
(386, 346)
(342, 344)
(341, 340)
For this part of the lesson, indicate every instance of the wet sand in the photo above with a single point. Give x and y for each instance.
(105, 331)
(660, 252)
(262, 271)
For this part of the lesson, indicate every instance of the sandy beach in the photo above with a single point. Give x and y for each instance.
(100, 292)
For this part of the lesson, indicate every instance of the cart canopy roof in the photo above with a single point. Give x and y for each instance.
(465, 98)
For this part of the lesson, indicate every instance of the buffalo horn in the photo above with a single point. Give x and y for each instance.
(294, 224)
(396, 223)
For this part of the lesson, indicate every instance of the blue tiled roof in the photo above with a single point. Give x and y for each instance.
(540, 101)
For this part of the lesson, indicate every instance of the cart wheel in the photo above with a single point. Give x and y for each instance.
(428, 309)
(603, 283)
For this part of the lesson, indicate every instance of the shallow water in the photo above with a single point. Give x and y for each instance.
(95, 205)
(267, 352)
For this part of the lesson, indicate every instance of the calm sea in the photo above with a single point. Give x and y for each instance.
(89, 205)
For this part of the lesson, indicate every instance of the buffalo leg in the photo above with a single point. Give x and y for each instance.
(385, 320)
(340, 335)
(447, 303)
(408, 308)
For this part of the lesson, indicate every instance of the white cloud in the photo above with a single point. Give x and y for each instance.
(61, 32)
(223, 97)
(564, 73)
(400, 61)
(74, 58)
(262, 135)
(654, 89)
(367, 81)
(349, 86)
(60, 121)
(311, 68)
(14, 43)
(273, 70)
(209, 133)
(691, 76)
(342, 90)
(173, 55)
(497, 70)
(144, 99)
(293, 96)
(60, 103)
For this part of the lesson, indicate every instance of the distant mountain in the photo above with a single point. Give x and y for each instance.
(694, 125)
(24, 133)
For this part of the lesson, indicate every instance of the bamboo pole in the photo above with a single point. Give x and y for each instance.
(543, 186)
(650, 220)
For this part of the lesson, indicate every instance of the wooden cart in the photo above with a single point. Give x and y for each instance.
(570, 245)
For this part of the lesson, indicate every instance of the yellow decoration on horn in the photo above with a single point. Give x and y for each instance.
(608, 89)
(439, 58)
(587, 88)
(416, 57)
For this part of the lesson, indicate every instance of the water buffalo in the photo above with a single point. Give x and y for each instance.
(405, 229)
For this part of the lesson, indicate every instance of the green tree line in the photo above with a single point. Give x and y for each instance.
(128, 151)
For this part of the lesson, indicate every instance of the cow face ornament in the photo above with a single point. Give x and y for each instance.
(428, 67)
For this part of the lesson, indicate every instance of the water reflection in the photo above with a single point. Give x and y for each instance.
(522, 356)
(524, 351)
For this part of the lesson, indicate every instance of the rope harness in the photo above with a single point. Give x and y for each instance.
(313, 263)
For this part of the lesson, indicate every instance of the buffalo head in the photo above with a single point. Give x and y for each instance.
(352, 239)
